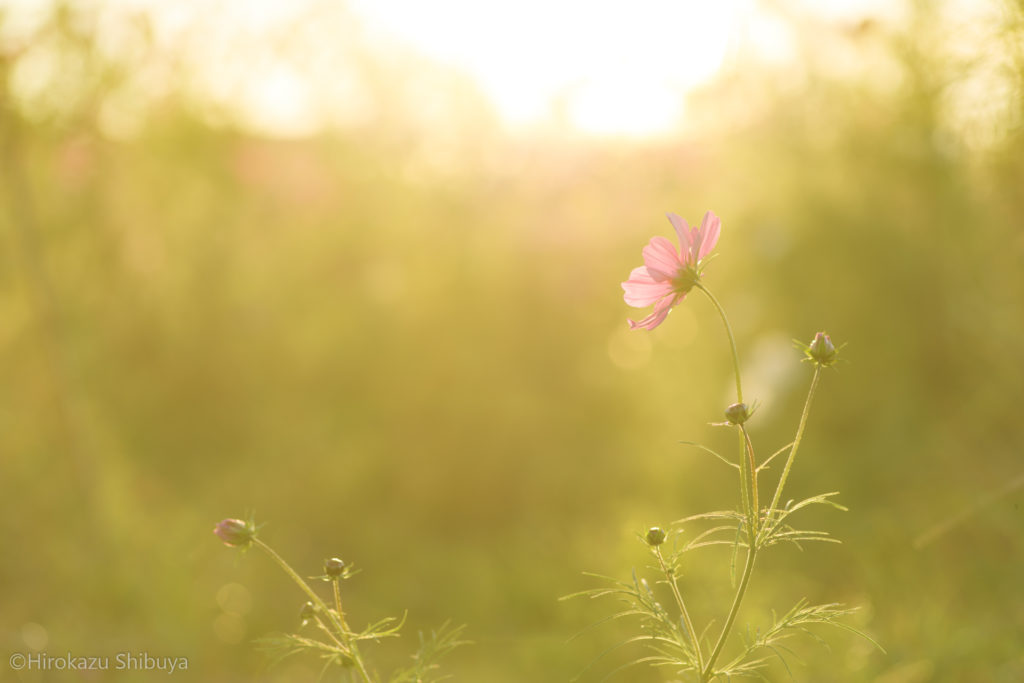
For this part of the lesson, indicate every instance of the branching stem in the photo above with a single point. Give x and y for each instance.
(752, 548)
(748, 492)
(670, 576)
(337, 621)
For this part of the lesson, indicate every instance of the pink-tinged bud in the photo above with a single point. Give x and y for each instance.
(737, 413)
(655, 536)
(822, 351)
(334, 567)
(235, 532)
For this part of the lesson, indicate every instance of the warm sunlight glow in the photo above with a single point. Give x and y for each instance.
(604, 69)
(600, 68)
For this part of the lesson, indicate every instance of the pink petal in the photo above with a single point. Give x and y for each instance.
(710, 226)
(643, 290)
(661, 310)
(650, 322)
(661, 259)
(683, 230)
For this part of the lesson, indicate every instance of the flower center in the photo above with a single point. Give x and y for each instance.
(684, 282)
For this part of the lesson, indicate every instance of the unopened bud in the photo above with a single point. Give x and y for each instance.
(334, 567)
(235, 532)
(821, 350)
(737, 413)
(655, 536)
(308, 612)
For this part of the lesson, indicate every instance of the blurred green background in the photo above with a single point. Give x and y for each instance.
(400, 339)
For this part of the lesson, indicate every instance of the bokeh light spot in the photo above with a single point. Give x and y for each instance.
(234, 598)
(34, 636)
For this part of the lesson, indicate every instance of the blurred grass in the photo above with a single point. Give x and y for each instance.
(419, 363)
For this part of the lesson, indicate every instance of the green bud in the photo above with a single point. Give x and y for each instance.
(308, 612)
(334, 567)
(655, 536)
(822, 351)
(737, 413)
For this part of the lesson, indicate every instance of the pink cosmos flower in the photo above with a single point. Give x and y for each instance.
(668, 275)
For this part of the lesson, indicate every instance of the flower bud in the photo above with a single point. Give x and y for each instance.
(821, 350)
(737, 413)
(655, 536)
(334, 567)
(308, 612)
(235, 532)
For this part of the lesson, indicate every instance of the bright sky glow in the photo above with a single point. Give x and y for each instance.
(598, 68)
(605, 67)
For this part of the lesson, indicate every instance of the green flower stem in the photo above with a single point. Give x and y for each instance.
(748, 491)
(294, 576)
(337, 603)
(796, 441)
(745, 480)
(754, 508)
(747, 449)
(732, 340)
(330, 634)
(741, 589)
(748, 566)
(336, 620)
(671, 577)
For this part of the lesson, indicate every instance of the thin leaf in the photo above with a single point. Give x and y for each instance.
(728, 462)
(773, 455)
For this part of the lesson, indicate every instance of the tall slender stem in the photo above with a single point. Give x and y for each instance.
(741, 589)
(752, 537)
(796, 440)
(292, 574)
(754, 506)
(748, 492)
(670, 575)
(337, 603)
(732, 340)
(336, 620)
(751, 501)
(746, 495)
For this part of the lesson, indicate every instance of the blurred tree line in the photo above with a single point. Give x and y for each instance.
(401, 340)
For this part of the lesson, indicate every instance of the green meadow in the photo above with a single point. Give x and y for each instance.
(400, 340)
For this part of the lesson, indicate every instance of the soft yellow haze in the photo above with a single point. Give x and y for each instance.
(569, 66)
(355, 268)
